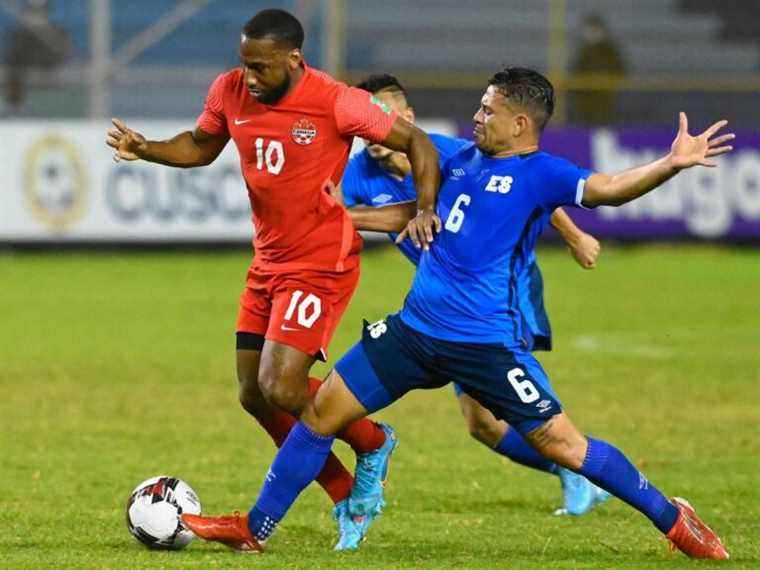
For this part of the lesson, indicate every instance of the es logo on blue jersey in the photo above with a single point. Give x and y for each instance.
(500, 184)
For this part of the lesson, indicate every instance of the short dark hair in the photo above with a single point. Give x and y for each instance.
(382, 82)
(528, 89)
(278, 25)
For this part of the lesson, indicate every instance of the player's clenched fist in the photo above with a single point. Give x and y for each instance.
(585, 250)
(128, 143)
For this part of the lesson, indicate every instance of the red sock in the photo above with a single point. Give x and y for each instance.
(363, 435)
(334, 478)
(278, 425)
(314, 384)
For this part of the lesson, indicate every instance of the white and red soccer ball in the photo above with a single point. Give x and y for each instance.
(153, 512)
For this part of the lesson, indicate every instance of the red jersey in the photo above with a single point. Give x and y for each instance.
(288, 152)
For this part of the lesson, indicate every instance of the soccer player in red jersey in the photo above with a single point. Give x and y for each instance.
(293, 126)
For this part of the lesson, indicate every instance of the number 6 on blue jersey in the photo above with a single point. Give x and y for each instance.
(456, 216)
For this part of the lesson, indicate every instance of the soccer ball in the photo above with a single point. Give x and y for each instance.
(153, 512)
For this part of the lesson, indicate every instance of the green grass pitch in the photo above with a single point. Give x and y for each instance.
(117, 367)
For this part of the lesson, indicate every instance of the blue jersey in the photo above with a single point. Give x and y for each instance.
(365, 182)
(494, 209)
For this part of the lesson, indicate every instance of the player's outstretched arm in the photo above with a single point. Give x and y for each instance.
(685, 152)
(391, 218)
(423, 157)
(188, 149)
(584, 247)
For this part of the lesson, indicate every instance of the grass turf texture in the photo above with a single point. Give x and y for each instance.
(114, 368)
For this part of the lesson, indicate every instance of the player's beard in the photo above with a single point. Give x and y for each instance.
(271, 96)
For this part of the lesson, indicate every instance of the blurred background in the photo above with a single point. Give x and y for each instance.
(622, 71)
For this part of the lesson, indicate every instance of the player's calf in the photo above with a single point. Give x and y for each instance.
(481, 423)
(249, 393)
(251, 398)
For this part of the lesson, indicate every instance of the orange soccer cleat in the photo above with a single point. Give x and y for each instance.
(693, 537)
(230, 530)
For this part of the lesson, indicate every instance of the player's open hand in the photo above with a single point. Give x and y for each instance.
(128, 143)
(687, 150)
(421, 229)
(585, 250)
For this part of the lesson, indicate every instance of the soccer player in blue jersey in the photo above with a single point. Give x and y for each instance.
(379, 176)
(461, 322)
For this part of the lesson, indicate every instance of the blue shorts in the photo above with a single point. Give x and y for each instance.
(392, 358)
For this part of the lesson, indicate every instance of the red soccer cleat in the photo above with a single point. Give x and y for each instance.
(693, 537)
(230, 530)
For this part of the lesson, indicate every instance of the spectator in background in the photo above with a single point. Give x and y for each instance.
(34, 44)
(598, 54)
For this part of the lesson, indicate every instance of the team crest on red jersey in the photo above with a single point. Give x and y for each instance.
(304, 131)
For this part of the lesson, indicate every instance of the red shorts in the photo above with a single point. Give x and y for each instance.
(300, 308)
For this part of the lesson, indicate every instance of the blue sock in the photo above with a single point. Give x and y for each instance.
(514, 446)
(606, 466)
(297, 463)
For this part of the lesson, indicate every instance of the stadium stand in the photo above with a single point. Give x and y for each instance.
(435, 41)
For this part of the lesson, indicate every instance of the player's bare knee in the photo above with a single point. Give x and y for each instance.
(566, 452)
(560, 441)
(285, 391)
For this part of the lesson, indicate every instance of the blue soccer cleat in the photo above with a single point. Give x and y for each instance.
(351, 529)
(581, 495)
(600, 495)
(366, 498)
